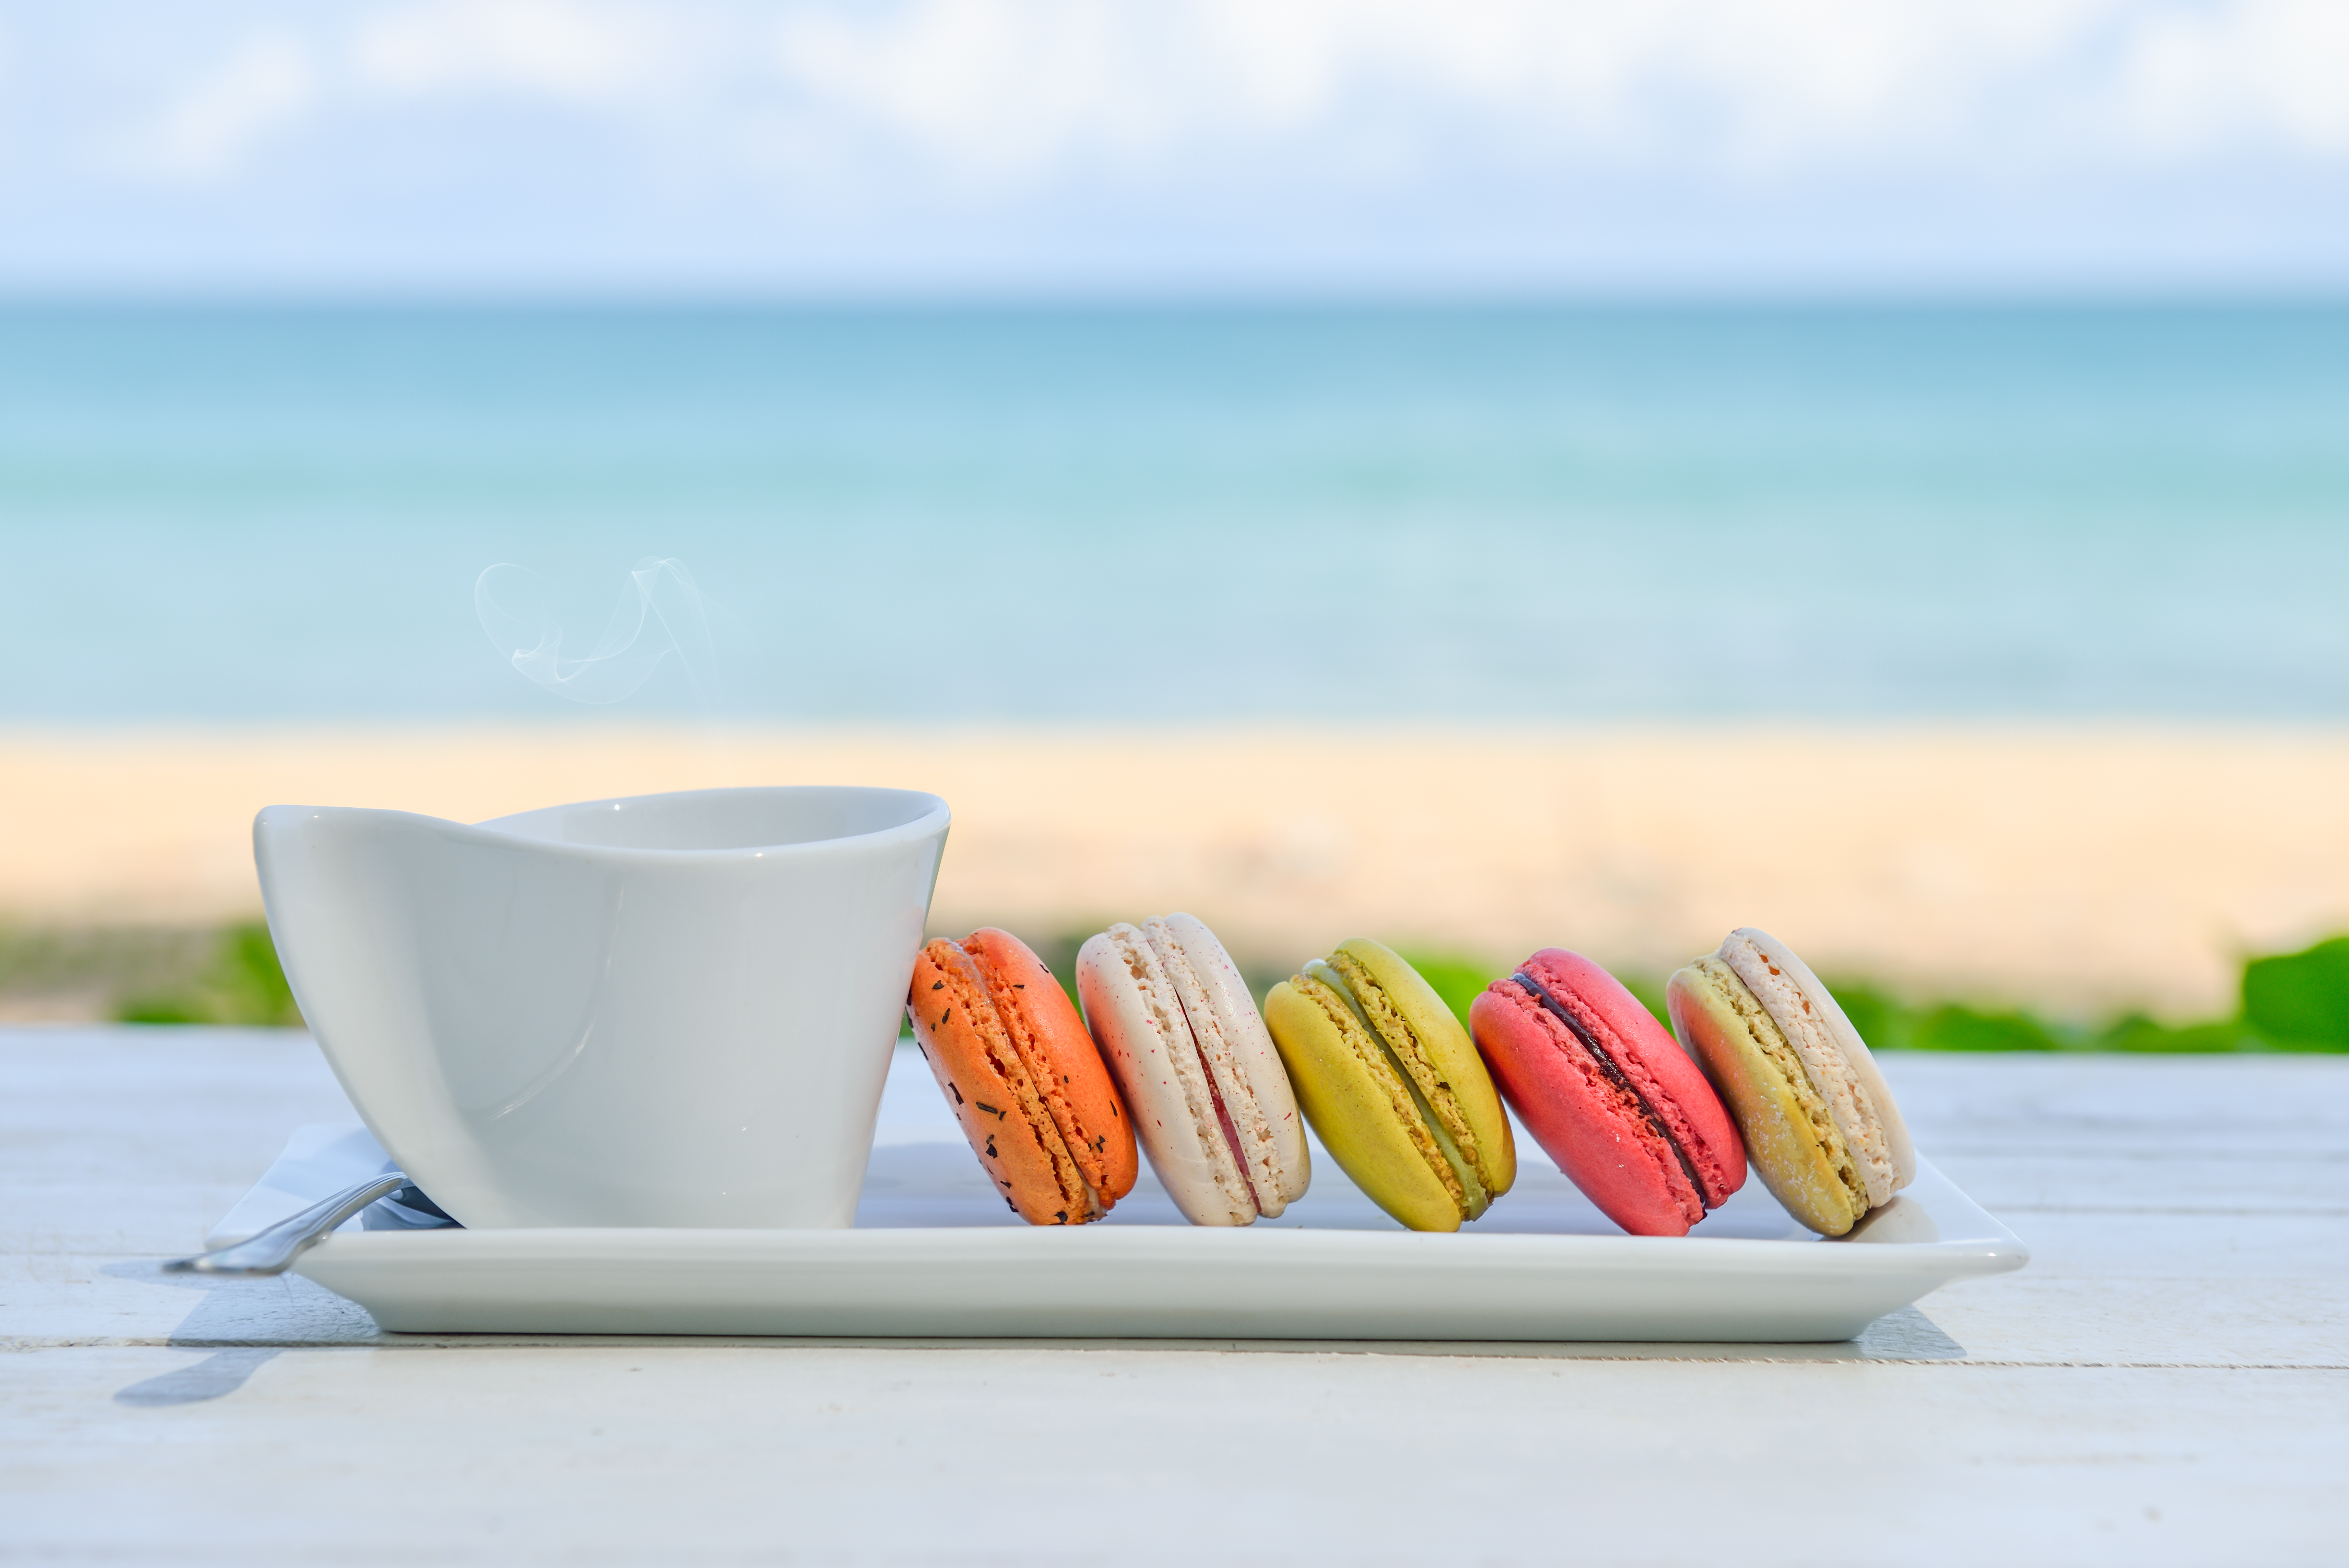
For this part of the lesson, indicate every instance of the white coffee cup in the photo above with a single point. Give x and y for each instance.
(672, 1009)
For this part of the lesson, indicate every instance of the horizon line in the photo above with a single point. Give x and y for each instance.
(561, 299)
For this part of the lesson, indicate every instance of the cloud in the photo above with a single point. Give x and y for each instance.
(1027, 88)
(265, 82)
(1046, 127)
(530, 49)
(1022, 90)
(2275, 75)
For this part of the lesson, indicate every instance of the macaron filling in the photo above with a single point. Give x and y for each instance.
(1805, 1029)
(1278, 1164)
(1237, 1111)
(1762, 1031)
(1605, 1061)
(1051, 1090)
(1219, 1142)
(1393, 1028)
(1438, 1144)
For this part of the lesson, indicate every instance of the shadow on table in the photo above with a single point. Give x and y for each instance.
(247, 1321)
(1906, 1334)
(244, 1322)
(221, 1373)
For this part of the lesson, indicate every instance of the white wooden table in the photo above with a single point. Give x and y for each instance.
(2167, 1382)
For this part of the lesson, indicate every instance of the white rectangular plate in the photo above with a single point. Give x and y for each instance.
(934, 1254)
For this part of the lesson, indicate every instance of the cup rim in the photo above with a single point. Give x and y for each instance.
(935, 817)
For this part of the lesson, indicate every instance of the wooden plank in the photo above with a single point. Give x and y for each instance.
(629, 1454)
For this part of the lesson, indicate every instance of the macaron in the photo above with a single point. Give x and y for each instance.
(1819, 1121)
(1211, 1103)
(1014, 1060)
(1394, 1085)
(1609, 1093)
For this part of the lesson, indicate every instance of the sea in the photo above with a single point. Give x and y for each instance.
(1497, 513)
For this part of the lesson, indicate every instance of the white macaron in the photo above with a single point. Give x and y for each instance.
(1210, 1100)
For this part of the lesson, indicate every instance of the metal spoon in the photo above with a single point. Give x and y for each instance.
(273, 1251)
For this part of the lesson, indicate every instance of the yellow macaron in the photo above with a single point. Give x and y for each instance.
(1392, 1085)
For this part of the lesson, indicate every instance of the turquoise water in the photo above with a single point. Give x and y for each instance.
(281, 514)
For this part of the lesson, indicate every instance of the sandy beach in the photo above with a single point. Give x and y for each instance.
(2076, 872)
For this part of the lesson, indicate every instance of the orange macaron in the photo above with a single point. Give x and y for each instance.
(1019, 1068)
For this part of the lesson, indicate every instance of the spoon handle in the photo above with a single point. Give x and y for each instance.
(273, 1251)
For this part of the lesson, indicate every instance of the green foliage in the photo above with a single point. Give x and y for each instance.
(2291, 1001)
(1457, 981)
(1952, 1027)
(69, 969)
(177, 1008)
(1651, 993)
(1060, 956)
(1883, 1022)
(2300, 1001)
(244, 984)
(2138, 1033)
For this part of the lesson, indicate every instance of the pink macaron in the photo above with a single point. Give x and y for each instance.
(1609, 1093)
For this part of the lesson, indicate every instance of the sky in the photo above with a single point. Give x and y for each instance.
(961, 147)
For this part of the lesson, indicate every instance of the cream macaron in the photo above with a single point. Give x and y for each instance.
(1210, 1100)
(1819, 1121)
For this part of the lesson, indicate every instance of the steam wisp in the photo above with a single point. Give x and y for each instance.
(660, 612)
